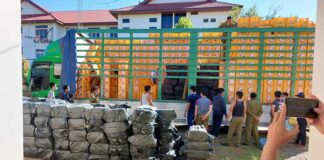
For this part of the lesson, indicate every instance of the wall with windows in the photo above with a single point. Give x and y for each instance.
(27, 8)
(207, 19)
(139, 21)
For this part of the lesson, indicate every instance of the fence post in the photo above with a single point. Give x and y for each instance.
(192, 77)
(160, 65)
(294, 63)
(227, 63)
(102, 73)
(260, 65)
(130, 67)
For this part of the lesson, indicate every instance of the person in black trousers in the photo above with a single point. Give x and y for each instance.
(302, 123)
(219, 109)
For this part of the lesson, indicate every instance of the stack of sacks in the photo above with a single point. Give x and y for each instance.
(116, 130)
(30, 149)
(59, 125)
(143, 142)
(43, 132)
(78, 144)
(199, 143)
(98, 142)
(165, 133)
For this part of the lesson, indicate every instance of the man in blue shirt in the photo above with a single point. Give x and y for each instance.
(191, 103)
(66, 94)
(219, 109)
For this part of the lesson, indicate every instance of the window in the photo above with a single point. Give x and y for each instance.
(57, 70)
(177, 16)
(205, 20)
(153, 19)
(94, 35)
(213, 20)
(41, 32)
(39, 52)
(166, 21)
(125, 27)
(194, 13)
(40, 76)
(113, 35)
(126, 20)
(153, 27)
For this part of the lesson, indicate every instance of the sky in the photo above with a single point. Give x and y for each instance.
(300, 8)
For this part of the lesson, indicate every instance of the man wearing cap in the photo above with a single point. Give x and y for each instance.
(302, 123)
(228, 24)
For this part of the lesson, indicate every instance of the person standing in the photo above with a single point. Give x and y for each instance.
(219, 109)
(191, 104)
(254, 112)
(95, 95)
(237, 113)
(51, 93)
(147, 98)
(203, 109)
(66, 94)
(275, 107)
(302, 123)
(284, 95)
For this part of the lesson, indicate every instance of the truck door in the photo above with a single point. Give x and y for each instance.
(40, 78)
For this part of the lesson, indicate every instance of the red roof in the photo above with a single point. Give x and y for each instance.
(208, 5)
(42, 18)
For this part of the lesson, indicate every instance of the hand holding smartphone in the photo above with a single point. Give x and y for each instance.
(301, 107)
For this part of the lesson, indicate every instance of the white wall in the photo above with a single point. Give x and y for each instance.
(11, 139)
(26, 8)
(139, 21)
(197, 20)
(317, 139)
(174, 1)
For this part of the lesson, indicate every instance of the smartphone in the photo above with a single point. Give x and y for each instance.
(301, 107)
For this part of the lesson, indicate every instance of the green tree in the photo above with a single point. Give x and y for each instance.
(25, 69)
(273, 12)
(184, 22)
(235, 13)
(252, 11)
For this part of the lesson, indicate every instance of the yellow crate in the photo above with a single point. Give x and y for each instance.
(302, 22)
(243, 22)
(255, 22)
(291, 22)
(279, 22)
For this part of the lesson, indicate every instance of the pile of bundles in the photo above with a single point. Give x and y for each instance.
(29, 110)
(59, 126)
(143, 143)
(199, 143)
(166, 134)
(98, 142)
(116, 128)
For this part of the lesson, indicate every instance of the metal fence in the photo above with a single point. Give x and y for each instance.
(261, 60)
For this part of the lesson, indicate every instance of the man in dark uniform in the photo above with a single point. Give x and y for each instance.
(191, 103)
(275, 107)
(219, 109)
(302, 123)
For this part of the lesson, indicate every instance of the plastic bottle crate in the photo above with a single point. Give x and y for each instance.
(243, 22)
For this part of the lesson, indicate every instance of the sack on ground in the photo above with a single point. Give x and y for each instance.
(59, 111)
(96, 137)
(94, 125)
(143, 115)
(98, 157)
(61, 145)
(29, 142)
(99, 149)
(77, 147)
(43, 110)
(95, 113)
(115, 115)
(198, 134)
(166, 115)
(41, 121)
(142, 152)
(142, 140)
(76, 112)
(59, 123)
(62, 155)
(44, 143)
(44, 132)
(77, 124)
(78, 136)
(139, 128)
(30, 152)
(120, 158)
(118, 138)
(119, 150)
(201, 146)
(61, 134)
(45, 154)
(29, 131)
(114, 127)
(79, 156)
(27, 119)
(165, 138)
(194, 154)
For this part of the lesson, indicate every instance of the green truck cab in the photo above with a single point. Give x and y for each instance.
(44, 70)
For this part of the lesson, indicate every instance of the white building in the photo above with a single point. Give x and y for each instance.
(155, 14)
(40, 27)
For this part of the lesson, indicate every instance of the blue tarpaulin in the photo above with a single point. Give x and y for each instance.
(69, 63)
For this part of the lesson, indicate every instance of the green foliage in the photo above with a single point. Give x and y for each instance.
(184, 22)
(273, 12)
(25, 69)
(235, 13)
(250, 12)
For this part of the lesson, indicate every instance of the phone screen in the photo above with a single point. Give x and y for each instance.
(301, 107)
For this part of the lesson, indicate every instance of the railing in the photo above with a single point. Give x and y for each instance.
(260, 60)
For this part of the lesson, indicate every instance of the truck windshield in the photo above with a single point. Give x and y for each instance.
(40, 76)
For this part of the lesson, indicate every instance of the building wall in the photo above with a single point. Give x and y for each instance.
(139, 21)
(174, 1)
(26, 8)
(197, 20)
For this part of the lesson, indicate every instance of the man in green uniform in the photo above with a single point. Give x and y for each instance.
(254, 112)
(228, 24)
